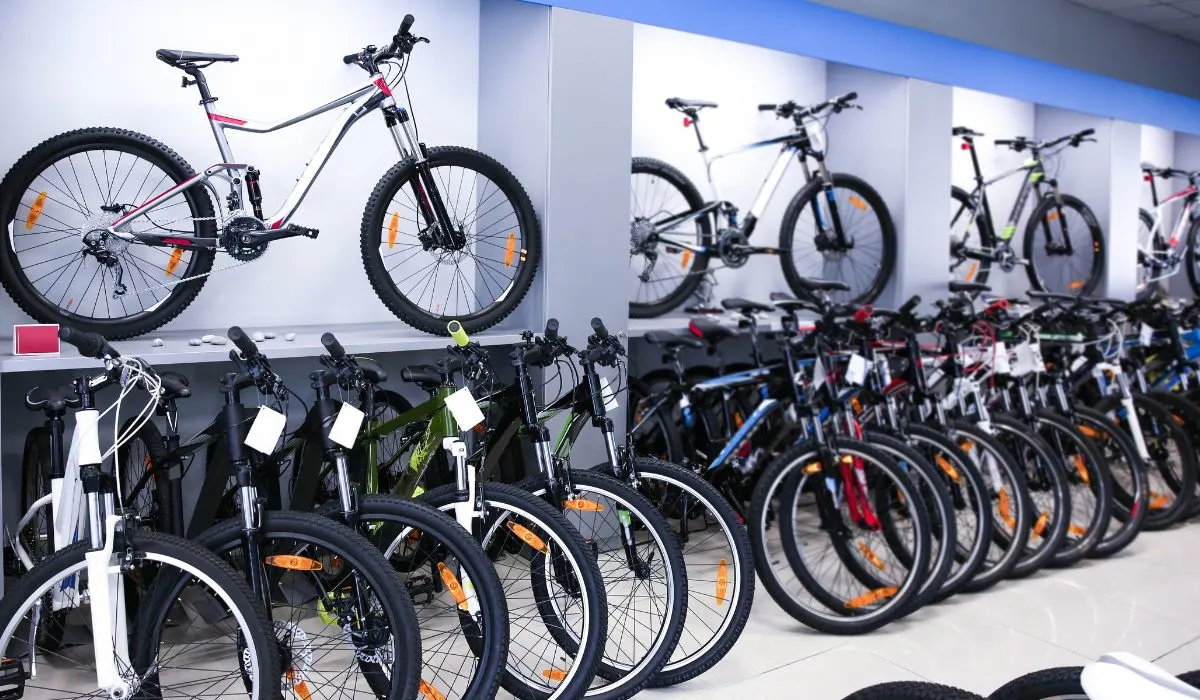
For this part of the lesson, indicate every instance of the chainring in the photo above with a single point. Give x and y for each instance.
(237, 242)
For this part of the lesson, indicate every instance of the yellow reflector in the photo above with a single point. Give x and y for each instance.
(1158, 501)
(1006, 509)
(1090, 432)
(430, 692)
(1077, 284)
(554, 674)
(35, 211)
(722, 582)
(453, 585)
(871, 556)
(874, 596)
(1052, 215)
(813, 468)
(173, 261)
(583, 504)
(847, 459)
(393, 227)
(972, 269)
(509, 249)
(528, 537)
(858, 202)
(1076, 530)
(292, 562)
(1040, 526)
(947, 467)
(687, 258)
(1082, 470)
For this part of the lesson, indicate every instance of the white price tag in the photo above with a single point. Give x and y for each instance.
(266, 430)
(1001, 362)
(464, 408)
(609, 396)
(818, 379)
(856, 373)
(1029, 360)
(345, 427)
(1146, 335)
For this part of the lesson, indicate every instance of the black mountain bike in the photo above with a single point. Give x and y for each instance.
(837, 227)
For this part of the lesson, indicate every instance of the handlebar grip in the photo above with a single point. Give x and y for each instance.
(1086, 132)
(458, 334)
(767, 108)
(88, 344)
(349, 58)
(243, 342)
(336, 351)
(848, 97)
(551, 329)
(910, 305)
(406, 24)
(1004, 142)
(598, 326)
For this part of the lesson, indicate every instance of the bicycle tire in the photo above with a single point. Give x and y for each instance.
(1129, 505)
(867, 199)
(1190, 258)
(1187, 415)
(1192, 678)
(987, 240)
(1062, 683)
(354, 555)
(508, 500)
(655, 477)
(389, 522)
(655, 435)
(253, 627)
(38, 537)
(153, 454)
(1088, 477)
(1047, 210)
(911, 690)
(694, 275)
(527, 252)
(26, 171)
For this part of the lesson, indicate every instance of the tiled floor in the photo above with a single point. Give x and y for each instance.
(1145, 600)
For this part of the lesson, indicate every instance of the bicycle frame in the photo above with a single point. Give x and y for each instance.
(1166, 257)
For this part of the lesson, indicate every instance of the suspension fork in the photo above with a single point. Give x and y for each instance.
(1058, 211)
(830, 199)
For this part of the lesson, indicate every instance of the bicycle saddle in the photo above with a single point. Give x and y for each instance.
(815, 285)
(787, 302)
(745, 305)
(421, 374)
(1123, 675)
(175, 385)
(710, 330)
(1050, 296)
(670, 341)
(957, 287)
(177, 58)
(372, 371)
(680, 103)
(1165, 173)
(54, 401)
(964, 131)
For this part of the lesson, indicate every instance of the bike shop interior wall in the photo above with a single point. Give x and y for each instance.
(1187, 156)
(1158, 148)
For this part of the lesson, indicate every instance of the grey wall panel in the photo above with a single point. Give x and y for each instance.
(924, 258)
(1125, 151)
(1187, 155)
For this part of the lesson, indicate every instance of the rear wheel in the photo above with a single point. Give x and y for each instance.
(38, 536)
(969, 230)
(1150, 248)
(1191, 257)
(1054, 268)
(1131, 494)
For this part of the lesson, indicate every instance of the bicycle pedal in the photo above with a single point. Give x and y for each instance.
(421, 586)
(12, 679)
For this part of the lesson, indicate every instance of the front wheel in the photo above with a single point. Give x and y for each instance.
(1064, 246)
(842, 233)
(453, 237)
(1191, 257)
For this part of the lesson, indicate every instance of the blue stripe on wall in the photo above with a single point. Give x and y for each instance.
(822, 32)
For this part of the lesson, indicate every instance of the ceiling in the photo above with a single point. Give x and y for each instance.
(1180, 18)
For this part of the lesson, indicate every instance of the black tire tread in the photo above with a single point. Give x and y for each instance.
(1047, 683)
(911, 690)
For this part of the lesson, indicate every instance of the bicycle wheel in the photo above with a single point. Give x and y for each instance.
(478, 272)
(1089, 481)
(1008, 502)
(457, 595)
(651, 424)
(664, 275)
(59, 263)
(1051, 230)
(1061, 683)
(210, 641)
(1131, 492)
(37, 537)
(1046, 486)
(720, 567)
(344, 622)
(964, 223)
(558, 614)
(864, 260)
(911, 690)
(645, 582)
(1187, 416)
(824, 522)
(1191, 257)
(136, 459)
(969, 502)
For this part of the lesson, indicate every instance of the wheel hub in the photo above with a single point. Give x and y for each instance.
(99, 241)
(639, 234)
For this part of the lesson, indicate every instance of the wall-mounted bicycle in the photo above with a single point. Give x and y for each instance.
(1159, 254)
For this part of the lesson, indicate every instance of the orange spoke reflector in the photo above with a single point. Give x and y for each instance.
(1082, 471)
(813, 468)
(292, 562)
(856, 405)
(871, 598)
(301, 687)
(1006, 509)
(453, 585)
(948, 468)
(738, 420)
(393, 227)
(858, 202)
(871, 556)
(430, 692)
(1090, 432)
(722, 582)
(1077, 284)
(583, 504)
(687, 258)
(528, 537)
(509, 249)
(148, 462)
(1040, 526)
(35, 211)
(1178, 418)
(1159, 501)
(1076, 530)
(974, 267)
(555, 674)
(1052, 216)
(966, 445)
(173, 261)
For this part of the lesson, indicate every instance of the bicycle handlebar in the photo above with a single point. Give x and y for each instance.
(551, 333)
(88, 344)
(598, 327)
(242, 342)
(336, 351)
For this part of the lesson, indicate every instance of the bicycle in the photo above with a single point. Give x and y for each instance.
(1159, 257)
(147, 270)
(664, 201)
(147, 599)
(1078, 245)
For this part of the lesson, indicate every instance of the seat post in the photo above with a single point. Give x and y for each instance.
(206, 97)
(694, 115)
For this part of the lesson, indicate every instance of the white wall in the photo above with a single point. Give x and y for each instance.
(1158, 147)
(94, 65)
(738, 77)
(998, 118)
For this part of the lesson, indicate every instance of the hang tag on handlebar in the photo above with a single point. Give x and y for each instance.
(345, 427)
(464, 408)
(1001, 363)
(1029, 360)
(1146, 336)
(856, 372)
(609, 396)
(266, 430)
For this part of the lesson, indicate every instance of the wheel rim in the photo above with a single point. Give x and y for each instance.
(664, 267)
(815, 253)
(1058, 273)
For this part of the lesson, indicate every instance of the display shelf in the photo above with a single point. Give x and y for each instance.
(359, 338)
(639, 327)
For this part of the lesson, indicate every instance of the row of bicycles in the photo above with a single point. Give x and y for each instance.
(376, 549)
(883, 460)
